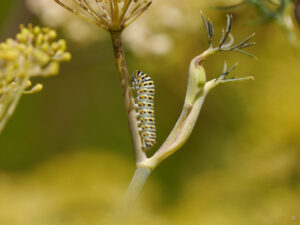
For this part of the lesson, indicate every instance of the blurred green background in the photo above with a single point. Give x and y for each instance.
(66, 156)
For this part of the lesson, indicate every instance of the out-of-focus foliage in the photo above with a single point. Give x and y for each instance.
(67, 191)
(81, 188)
(297, 11)
(240, 166)
(55, 16)
(280, 12)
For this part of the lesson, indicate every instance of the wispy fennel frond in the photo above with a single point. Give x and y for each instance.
(224, 79)
(226, 42)
(278, 11)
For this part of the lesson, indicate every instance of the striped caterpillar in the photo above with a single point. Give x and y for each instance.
(143, 86)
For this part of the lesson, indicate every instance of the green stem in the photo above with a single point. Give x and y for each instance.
(134, 189)
(140, 155)
(136, 185)
(116, 12)
(141, 174)
(12, 107)
(124, 11)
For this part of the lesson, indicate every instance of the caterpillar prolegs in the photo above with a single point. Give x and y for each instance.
(143, 86)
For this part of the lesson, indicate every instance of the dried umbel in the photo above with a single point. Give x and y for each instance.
(34, 52)
(112, 15)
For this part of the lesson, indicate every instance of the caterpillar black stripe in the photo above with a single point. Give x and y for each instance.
(143, 86)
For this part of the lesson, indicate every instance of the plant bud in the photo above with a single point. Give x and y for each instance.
(196, 81)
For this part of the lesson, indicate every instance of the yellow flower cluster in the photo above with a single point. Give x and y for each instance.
(34, 52)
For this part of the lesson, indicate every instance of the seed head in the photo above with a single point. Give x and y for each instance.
(112, 15)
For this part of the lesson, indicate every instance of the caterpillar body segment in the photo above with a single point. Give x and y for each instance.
(144, 88)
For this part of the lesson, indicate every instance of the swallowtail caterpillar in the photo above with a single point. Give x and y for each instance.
(143, 86)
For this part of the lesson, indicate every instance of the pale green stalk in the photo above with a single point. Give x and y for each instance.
(12, 107)
(197, 90)
(140, 155)
(134, 189)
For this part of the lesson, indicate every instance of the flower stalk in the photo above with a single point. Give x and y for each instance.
(140, 155)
